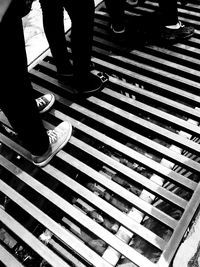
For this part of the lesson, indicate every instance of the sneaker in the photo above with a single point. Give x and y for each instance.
(58, 137)
(93, 84)
(45, 102)
(183, 32)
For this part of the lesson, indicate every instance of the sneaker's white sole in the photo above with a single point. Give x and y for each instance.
(117, 32)
(49, 105)
(45, 162)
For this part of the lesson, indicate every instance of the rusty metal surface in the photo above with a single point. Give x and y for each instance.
(125, 189)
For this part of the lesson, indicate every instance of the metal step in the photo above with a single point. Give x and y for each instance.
(125, 189)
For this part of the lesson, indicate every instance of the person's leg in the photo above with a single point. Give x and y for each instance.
(171, 28)
(82, 17)
(17, 99)
(169, 12)
(53, 23)
(116, 10)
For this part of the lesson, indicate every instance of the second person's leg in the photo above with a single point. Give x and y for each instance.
(116, 9)
(171, 28)
(82, 17)
(53, 23)
(169, 12)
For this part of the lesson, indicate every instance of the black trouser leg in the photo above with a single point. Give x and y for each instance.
(82, 17)
(115, 10)
(16, 93)
(169, 12)
(53, 23)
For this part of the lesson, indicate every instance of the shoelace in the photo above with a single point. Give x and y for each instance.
(40, 102)
(52, 136)
(181, 24)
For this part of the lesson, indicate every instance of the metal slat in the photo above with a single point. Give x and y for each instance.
(147, 208)
(151, 7)
(150, 67)
(137, 177)
(124, 149)
(171, 104)
(148, 184)
(176, 238)
(124, 220)
(156, 112)
(8, 259)
(98, 117)
(180, 122)
(123, 51)
(183, 108)
(160, 131)
(174, 156)
(25, 235)
(151, 71)
(127, 151)
(149, 52)
(168, 151)
(54, 227)
(113, 241)
(169, 174)
(146, 81)
(159, 215)
(172, 53)
(109, 209)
